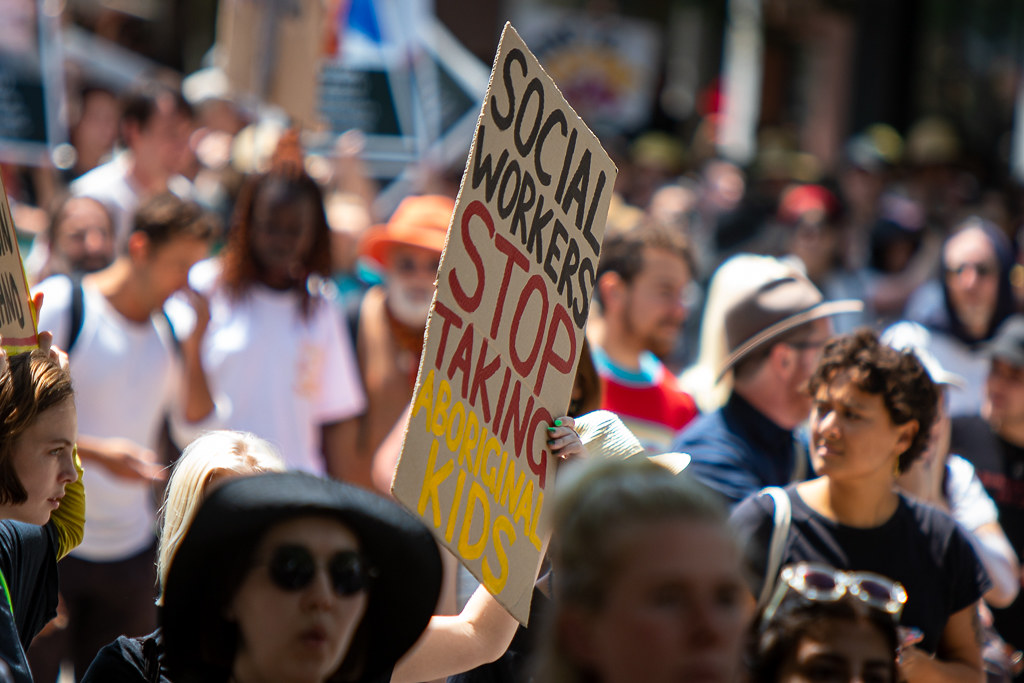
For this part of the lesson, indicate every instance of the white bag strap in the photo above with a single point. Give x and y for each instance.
(781, 519)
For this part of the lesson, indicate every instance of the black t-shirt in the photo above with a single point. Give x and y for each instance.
(129, 660)
(919, 546)
(140, 660)
(28, 559)
(1000, 467)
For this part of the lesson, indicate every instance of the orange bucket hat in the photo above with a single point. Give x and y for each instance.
(418, 221)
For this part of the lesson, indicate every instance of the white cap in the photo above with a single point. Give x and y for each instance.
(910, 336)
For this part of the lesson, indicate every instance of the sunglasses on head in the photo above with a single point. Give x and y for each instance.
(292, 568)
(821, 583)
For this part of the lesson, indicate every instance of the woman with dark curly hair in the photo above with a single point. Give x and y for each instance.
(277, 347)
(873, 408)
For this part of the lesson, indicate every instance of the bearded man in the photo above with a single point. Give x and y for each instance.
(393, 316)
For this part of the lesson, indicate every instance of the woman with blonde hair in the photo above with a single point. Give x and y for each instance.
(207, 461)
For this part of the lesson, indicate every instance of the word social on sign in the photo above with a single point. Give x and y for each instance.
(508, 318)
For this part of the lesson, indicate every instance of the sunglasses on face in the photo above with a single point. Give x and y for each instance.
(821, 583)
(292, 568)
(980, 269)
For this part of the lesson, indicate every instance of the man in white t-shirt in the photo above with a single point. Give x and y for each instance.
(155, 125)
(129, 374)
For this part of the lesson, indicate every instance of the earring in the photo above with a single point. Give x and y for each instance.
(896, 468)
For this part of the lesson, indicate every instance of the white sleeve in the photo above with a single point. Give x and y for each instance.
(969, 503)
(183, 431)
(342, 394)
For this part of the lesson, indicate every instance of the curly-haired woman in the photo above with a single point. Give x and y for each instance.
(873, 408)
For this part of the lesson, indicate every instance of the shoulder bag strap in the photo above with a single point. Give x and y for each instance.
(781, 519)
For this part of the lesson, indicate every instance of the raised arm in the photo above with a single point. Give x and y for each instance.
(959, 658)
(452, 644)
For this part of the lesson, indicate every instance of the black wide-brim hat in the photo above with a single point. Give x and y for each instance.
(234, 518)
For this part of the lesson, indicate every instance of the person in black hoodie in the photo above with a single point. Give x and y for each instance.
(965, 308)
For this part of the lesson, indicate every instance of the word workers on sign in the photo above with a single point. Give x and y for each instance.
(505, 329)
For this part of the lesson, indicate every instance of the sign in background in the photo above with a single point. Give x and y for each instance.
(513, 295)
(17, 315)
(33, 116)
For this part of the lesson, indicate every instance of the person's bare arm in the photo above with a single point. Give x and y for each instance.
(198, 400)
(959, 658)
(1000, 561)
(340, 452)
(121, 457)
(479, 634)
(483, 630)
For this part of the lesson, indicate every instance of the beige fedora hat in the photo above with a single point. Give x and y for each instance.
(773, 308)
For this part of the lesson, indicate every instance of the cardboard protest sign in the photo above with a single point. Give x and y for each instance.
(17, 315)
(505, 328)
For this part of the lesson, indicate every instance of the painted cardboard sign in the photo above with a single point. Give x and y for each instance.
(506, 325)
(17, 315)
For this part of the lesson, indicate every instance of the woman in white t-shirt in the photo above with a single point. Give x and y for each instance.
(276, 347)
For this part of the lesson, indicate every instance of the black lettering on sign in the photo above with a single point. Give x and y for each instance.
(505, 120)
(585, 280)
(527, 196)
(483, 170)
(9, 308)
(556, 117)
(6, 241)
(533, 88)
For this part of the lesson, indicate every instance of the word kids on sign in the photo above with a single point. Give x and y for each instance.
(505, 329)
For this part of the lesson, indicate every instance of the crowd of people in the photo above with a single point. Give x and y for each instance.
(819, 385)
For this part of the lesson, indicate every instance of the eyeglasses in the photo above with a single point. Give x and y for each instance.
(980, 269)
(807, 344)
(821, 583)
(409, 265)
(292, 568)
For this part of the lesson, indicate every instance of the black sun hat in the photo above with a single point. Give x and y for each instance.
(217, 550)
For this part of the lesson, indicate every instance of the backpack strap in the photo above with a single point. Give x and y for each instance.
(782, 517)
(77, 310)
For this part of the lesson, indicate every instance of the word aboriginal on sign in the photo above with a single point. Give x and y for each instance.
(503, 338)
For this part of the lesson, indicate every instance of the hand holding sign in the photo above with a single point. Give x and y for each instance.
(505, 329)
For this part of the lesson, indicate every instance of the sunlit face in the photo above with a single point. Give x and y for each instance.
(411, 272)
(84, 236)
(165, 267)
(654, 308)
(675, 610)
(44, 462)
(1004, 389)
(972, 278)
(852, 651)
(853, 435)
(296, 635)
(806, 355)
(281, 237)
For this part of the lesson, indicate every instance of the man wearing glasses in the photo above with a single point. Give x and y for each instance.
(392, 317)
(774, 333)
